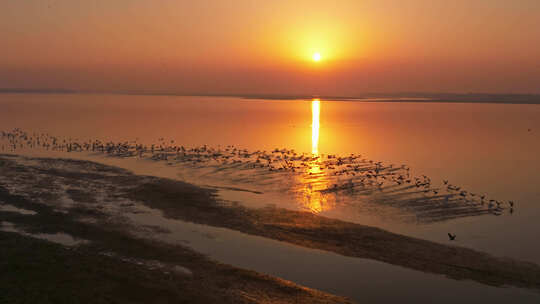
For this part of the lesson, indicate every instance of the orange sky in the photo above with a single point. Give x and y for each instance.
(240, 46)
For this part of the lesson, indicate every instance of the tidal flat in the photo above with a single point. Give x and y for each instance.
(95, 204)
(112, 265)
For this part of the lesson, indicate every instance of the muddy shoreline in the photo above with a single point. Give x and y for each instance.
(113, 265)
(35, 184)
(349, 239)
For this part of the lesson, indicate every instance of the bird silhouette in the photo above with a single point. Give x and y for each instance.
(345, 172)
(451, 236)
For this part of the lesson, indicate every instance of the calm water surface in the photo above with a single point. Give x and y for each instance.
(486, 148)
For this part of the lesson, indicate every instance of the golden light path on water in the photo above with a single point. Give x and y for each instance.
(316, 178)
(315, 125)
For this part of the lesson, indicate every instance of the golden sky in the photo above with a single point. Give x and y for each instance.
(241, 46)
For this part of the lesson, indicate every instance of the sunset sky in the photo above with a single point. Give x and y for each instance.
(267, 47)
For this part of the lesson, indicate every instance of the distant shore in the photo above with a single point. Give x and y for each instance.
(368, 97)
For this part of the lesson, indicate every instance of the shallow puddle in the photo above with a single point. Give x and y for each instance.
(59, 238)
(359, 279)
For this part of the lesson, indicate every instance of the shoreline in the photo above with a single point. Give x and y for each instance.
(177, 200)
(111, 263)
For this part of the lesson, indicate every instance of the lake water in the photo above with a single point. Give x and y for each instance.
(487, 149)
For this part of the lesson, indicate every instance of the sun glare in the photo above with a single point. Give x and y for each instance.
(316, 57)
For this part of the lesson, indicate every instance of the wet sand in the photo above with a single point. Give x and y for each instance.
(349, 239)
(35, 271)
(112, 265)
(36, 184)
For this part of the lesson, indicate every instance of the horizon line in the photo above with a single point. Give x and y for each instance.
(451, 97)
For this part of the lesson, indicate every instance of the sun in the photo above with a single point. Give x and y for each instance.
(316, 57)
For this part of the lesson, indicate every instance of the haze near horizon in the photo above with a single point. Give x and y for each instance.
(341, 48)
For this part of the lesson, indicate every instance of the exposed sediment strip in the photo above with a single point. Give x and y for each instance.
(349, 239)
(37, 271)
(114, 266)
(189, 203)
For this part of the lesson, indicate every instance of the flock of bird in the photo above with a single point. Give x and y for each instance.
(351, 175)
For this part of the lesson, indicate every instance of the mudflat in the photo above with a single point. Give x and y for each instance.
(76, 197)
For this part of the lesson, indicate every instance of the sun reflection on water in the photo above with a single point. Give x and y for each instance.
(315, 125)
(315, 178)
